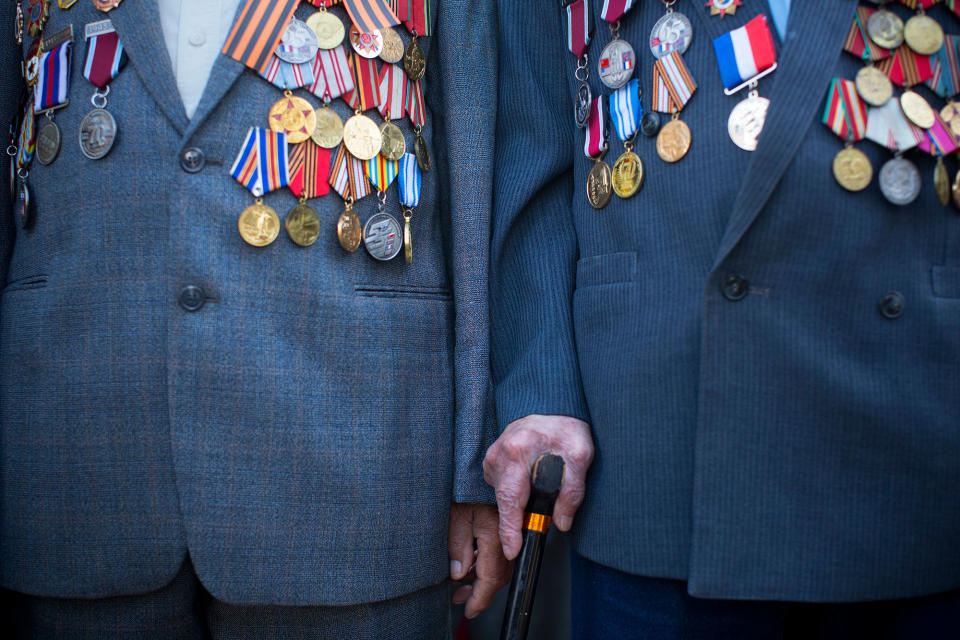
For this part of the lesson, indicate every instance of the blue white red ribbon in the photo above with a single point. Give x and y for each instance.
(595, 137)
(53, 80)
(673, 86)
(410, 180)
(579, 27)
(745, 53)
(262, 164)
(625, 109)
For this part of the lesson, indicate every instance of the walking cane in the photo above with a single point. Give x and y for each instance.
(545, 484)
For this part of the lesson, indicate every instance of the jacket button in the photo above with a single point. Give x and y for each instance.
(191, 298)
(734, 288)
(192, 160)
(892, 305)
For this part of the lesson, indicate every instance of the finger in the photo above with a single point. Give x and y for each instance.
(492, 567)
(512, 495)
(570, 498)
(460, 541)
(462, 594)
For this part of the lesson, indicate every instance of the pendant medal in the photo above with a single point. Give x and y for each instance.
(900, 181)
(672, 32)
(23, 208)
(293, 116)
(302, 224)
(627, 175)
(885, 29)
(723, 8)
(362, 137)
(852, 169)
(581, 110)
(746, 121)
(917, 109)
(259, 225)
(349, 231)
(674, 140)
(873, 86)
(328, 28)
(422, 152)
(941, 182)
(48, 142)
(599, 183)
(616, 64)
(329, 130)
(394, 146)
(383, 237)
(299, 43)
(98, 132)
(392, 47)
(923, 34)
(368, 45)
(414, 61)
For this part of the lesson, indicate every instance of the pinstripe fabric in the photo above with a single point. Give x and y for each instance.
(793, 445)
(304, 433)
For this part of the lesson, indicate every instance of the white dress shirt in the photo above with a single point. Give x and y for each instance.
(194, 32)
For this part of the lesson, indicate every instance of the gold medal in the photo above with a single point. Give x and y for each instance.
(599, 182)
(328, 27)
(674, 139)
(362, 137)
(414, 62)
(885, 29)
(956, 191)
(951, 115)
(421, 150)
(923, 34)
(407, 237)
(293, 116)
(627, 176)
(329, 130)
(852, 169)
(259, 224)
(302, 224)
(66, 4)
(917, 109)
(394, 146)
(106, 5)
(874, 86)
(392, 46)
(349, 230)
(941, 182)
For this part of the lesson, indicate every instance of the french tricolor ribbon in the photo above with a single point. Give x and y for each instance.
(845, 113)
(940, 141)
(595, 138)
(858, 41)
(53, 80)
(613, 10)
(625, 109)
(27, 141)
(105, 58)
(393, 91)
(331, 72)
(309, 167)
(673, 86)
(285, 75)
(262, 164)
(745, 53)
(410, 180)
(945, 80)
(906, 68)
(381, 172)
(416, 107)
(579, 27)
(888, 127)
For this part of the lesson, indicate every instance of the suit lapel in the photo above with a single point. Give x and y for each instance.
(806, 64)
(138, 25)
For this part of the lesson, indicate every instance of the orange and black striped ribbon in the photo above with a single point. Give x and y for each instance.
(258, 31)
(309, 167)
(906, 68)
(370, 14)
(858, 41)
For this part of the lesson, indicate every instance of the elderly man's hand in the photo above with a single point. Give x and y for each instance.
(509, 461)
(484, 570)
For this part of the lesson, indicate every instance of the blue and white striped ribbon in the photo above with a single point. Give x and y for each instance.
(625, 109)
(410, 179)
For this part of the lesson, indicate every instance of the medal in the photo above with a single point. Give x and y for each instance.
(104, 60)
(852, 169)
(392, 51)
(327, 27)
(106, 5)
(368, 45)
(414, 62)
(941, 182)
(382, 237)
(309, 167)
(362, 137)
(923, 34)
(600, 179)
(885, 29)
(618, 59)
(579, 33)
(37, 13)
(259, 225)
(627, 175)
(420, 150)
(66, 4)
(394, 146)
(723, 7)
(48, 142)
(672, 33)
(23, 207)
(674, 140)
(298, 44)
(98, 131)
(746, 121)
(846, 116)
(873, 86)
(261, 166)
(673, 86)
(302, 224)
(31, 64)
(858, 41)
(917, 109)
(393, 98)
(900, 181)
(349, 231)
(411, 181)
(293, 116)
(329, 130)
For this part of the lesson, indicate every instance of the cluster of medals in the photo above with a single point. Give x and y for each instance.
(46, 75)
(909, 54)
(744, 56)
(295, 146)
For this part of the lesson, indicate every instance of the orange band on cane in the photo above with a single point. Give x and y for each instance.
(536, 522)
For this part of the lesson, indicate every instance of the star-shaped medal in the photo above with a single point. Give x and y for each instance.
(723, 7)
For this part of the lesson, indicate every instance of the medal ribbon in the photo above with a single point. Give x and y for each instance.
(913, 4)
(888, 127)
(945, 80)
(257, 32)
(906, 68)
(105, 58)
(416, 107)
(381, 172)
(309, 166)
(285, 75)
(579, 27)
(367, 81)
(596, 133)
(939, 140)
(347, 177)
(744, 53)
(27, 140)
(370, 15)
(332, 75)
(262, 165)
(953, 5)
(673, 86)
(410, 180)
(393, 91)
(415, 15)
(323, 3)
(846, 113)
(625, 109)
(858, 41)
(613, 10)
(53, 81)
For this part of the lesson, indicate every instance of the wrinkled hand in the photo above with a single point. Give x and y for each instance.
(509, 461)
(484, 570)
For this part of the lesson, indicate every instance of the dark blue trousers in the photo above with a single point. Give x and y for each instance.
(607, 603)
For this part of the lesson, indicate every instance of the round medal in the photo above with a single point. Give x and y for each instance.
(48, 142)
(917, 109)
(923, 34)
(302, 225)
(723, 7)
(852, 169)
(328, 28)
(616, 63)
(106, 5)
(383, 237)
(672, 32)
(392, 47)
(362, 137)
(599, 185)
(581, 110)
(259, 224)
(422, 152)
(941, 182)
(885, 28)
(674, 140)
(394, 146)
(23, 209)
(329, 130)
(650, 123)
(900, 181)
(951, 115)
(98, 131)
(414, 62)
(874, 86)
(298, 44)
(349, 231)
(627, 176)
(368, 45)
(746, 122)
(31, 69)
(293, 116)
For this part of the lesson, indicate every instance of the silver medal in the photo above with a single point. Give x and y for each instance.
(48, 142)
(673, 32)
(299, 43)
(23, 209)
(900, 181)
(746, 121)
(616, 64)
(581, 110)
(98, 131)
(382, 236)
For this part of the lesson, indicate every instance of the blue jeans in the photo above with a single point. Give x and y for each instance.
(607, 603)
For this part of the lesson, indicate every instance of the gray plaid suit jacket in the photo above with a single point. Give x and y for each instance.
(303, 434)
